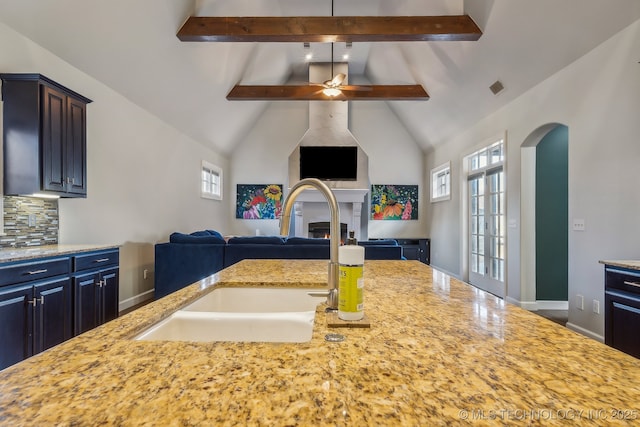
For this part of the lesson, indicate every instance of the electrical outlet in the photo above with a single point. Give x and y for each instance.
(579, 302)
(578, 224)
(32, 220)
(596, 306)
(145, 274)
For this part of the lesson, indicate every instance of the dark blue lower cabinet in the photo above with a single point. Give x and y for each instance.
(34, 316)
(96, 298)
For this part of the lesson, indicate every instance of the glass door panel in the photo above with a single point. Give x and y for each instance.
(487, 231)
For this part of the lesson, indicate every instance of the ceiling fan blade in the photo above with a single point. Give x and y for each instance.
(338, 79)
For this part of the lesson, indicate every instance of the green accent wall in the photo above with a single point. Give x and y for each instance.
(552, 216)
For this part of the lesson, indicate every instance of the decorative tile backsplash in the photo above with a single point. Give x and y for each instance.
(29, 221)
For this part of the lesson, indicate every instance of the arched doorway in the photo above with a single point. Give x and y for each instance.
(544, 213)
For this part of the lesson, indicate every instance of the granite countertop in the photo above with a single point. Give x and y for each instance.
(631, 264)
(439, 352)
(33, 252)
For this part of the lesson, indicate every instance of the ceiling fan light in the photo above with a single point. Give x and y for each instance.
(331, 91)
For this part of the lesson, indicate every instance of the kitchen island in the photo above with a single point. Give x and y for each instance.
(438, 352)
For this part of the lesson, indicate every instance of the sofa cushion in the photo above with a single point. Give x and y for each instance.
(235, 253)
(257, 240)
(215, 233)
(307, 241)
(195, 238)
(179, 265)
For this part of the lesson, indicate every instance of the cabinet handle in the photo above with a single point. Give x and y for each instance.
(32, 301)
(31, 273)
(637, 285)
(101, 260)
(100, 284)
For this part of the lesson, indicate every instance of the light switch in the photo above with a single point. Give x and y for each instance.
(578, 224)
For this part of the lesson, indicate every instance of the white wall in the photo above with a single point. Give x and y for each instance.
(263, 158)
(598, 98)
(394, 158)
(143, 175)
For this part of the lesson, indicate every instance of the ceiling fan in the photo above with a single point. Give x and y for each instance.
(334, 87)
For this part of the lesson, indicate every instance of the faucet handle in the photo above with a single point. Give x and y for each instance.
(331, 294)
(319, 293)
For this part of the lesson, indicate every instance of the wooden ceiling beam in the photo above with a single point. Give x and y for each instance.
(326, 29)
(314, 93)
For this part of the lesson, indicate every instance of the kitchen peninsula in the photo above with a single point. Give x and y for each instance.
(438, 352)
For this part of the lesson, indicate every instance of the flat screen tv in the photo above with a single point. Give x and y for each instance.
(329, 163)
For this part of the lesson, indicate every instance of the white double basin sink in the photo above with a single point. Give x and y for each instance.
(242, 314)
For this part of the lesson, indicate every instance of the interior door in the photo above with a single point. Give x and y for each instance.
(487, 231)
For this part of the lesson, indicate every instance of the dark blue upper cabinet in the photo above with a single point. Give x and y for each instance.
(44, 131)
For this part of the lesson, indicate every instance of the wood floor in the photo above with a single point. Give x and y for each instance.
(559, 316)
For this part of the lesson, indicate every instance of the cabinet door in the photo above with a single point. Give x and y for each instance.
(76, 157)
(53, 139)
(109, 291)
(621, 322)
(53, 313)
(411, 252)
(86, 297)
(16, 324)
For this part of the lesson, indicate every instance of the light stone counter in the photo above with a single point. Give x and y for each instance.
(438, 352)
(630, 264)
(33, 252)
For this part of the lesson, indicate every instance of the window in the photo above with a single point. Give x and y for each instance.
(487, 157)
(211, 181)
(441, 182)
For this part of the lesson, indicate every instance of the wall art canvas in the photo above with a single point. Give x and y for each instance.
(259, 201)
(394, 202)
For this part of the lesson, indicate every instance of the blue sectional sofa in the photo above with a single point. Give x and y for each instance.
(187, 258)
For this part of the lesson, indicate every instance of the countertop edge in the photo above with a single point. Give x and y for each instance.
(34, 252)
(630, 264)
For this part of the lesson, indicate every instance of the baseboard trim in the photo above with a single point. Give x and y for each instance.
(585, 332)
(513, 301)
(135, 300)
(552, 305)
(539, 305)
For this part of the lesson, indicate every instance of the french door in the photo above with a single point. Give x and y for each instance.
(487, 226)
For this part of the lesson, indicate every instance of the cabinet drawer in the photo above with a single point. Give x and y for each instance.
(95, 260)
(30, 271)
(622, 279)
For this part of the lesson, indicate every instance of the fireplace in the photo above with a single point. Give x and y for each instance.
(311, 207)
(322, 229)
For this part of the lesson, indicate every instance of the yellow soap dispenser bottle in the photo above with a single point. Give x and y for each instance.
(351, 283)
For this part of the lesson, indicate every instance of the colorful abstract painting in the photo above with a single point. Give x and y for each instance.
(259, 201)
(394, 202)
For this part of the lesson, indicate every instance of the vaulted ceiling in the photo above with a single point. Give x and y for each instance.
(131, 46)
